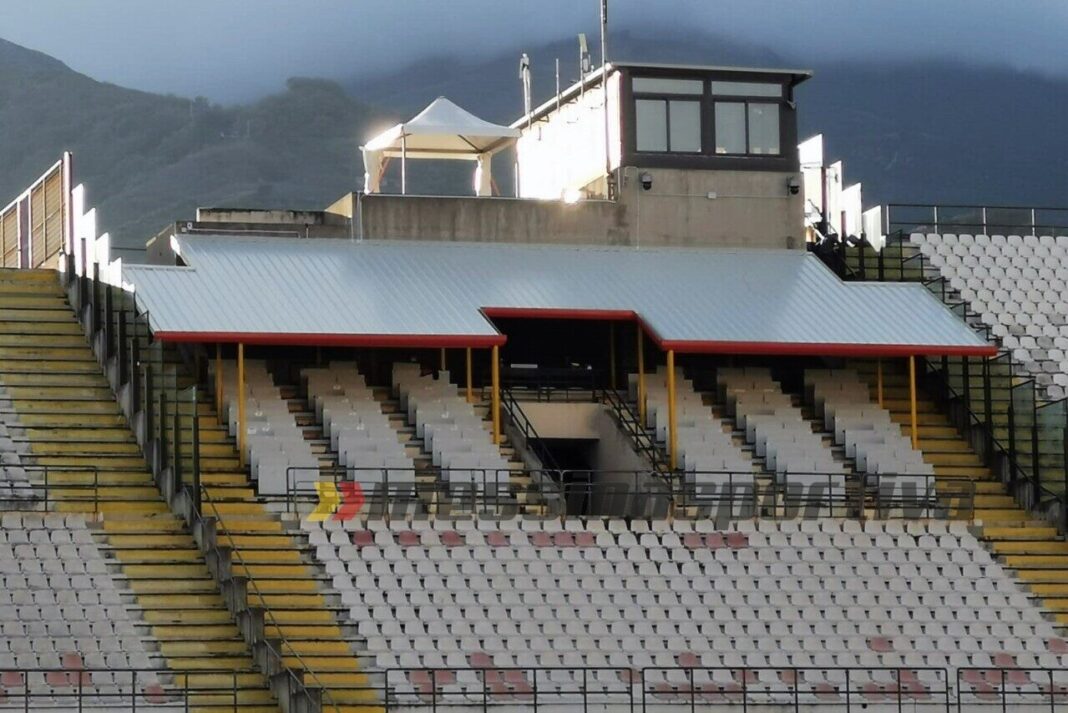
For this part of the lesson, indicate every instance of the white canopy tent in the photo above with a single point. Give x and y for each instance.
(441, 131)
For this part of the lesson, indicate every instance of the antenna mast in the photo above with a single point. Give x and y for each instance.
(609, 182)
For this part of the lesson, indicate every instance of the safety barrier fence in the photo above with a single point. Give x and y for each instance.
(399, 492)
(78, 688)
(1020, 436)
(975, 219)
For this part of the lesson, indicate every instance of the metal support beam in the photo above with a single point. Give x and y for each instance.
(443, 366)
(241, 430)
(218, 382)
(495, 401)
(612, 355)
(912, 402)
(879, 380)
(470, 380)
(641, 376)
(673, 439)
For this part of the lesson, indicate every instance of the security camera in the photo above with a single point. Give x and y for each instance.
(647, 180)
(794, 186)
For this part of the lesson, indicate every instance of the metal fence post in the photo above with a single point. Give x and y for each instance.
(1036, 477)
(1012, 444)
(967, 387)
(195, 435)
(988, 407)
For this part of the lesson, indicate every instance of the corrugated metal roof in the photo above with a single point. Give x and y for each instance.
(385, 292)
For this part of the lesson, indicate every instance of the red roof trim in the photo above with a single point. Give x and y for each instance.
(608, 315)
(417, 341)
(826, 350)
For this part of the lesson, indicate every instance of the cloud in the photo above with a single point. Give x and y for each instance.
(238, 49)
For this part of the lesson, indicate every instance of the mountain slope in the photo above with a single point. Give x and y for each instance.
(150, 159)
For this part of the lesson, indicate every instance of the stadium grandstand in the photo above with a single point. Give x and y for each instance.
(676, 426)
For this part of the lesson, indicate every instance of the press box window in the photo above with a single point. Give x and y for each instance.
(668, 114)
(743, 126)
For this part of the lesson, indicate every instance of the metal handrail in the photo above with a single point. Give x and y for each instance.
(530, 434)
(72, 682)
(268, 614)
(631, 423)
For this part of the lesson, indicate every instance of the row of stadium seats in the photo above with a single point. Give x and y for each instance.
(360, 433)
(59, 600)
(778, 429)
(14, 480)
(761, 594)
(865, 429)
(706, 452)
(452, 431)
(274, 443)
(1019, 287)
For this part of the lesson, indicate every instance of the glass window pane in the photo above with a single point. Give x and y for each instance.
(685, 126)
(651, 121)
(747, 89)
(668, 86)
(730, 127)
(764, 129)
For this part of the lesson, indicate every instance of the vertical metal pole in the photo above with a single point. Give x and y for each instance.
(1012, 444)
(404, 163)
(470, 380)
(935, 211)
(1036, 478)
(241, 403)
(984, 221)
(495, 401)
(672, 417)
(641, 376)
(912, 402)
(218, 381)
(879, 380)
(443, 366)
(609, 185)
(195, 436)
(1034, 225)
(1064, 447)
(988, 408)
(967, 384)
(612, 354)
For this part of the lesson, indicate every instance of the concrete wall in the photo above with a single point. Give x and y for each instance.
(750, 208)
(564, 420)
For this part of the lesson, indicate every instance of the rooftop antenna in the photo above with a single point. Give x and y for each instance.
(584, 62)
(610, 186)
(524, 77)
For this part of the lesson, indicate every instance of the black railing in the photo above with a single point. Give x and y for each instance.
(684, 688)
(80, 688)
(371, 493)
(975, 219)
(1008, 689)
(531, 439)
(630, 422)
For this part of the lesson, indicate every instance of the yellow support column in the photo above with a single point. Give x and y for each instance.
(241, 403)
(912, 402)
(641, 376)
(879, 380)
(495, 401)
(470, 380)
(612, 354)
(218, 381)
(672, 431)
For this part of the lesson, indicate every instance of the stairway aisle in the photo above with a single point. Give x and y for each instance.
(1023, 543)
(70, 420)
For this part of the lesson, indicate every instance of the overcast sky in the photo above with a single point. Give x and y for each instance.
(233, 50)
